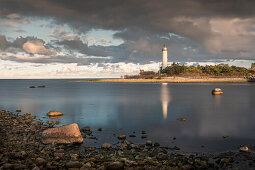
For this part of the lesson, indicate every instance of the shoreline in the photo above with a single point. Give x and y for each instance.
(21, 148)
(171, 80)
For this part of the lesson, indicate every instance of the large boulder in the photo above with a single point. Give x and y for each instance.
(64, 134)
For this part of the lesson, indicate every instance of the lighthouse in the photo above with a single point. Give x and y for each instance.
(164, 57)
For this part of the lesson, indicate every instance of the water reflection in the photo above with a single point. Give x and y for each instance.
(165, 99)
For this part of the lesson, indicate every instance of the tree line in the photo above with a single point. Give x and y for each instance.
(209, 70)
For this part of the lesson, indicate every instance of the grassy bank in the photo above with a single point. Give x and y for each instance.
(171, 80)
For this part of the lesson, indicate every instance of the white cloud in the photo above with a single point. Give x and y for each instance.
(36, 47)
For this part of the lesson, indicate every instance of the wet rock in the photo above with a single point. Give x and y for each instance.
(28, 113)
(21, 155)
(182, 119)
(122, 137)
(18, 110)
(156, 144)
(42, 86)
(115, 165)
(73, 164)
(31, 86)
(50, 123)
(106, 145)
(217, 91)
(86, 129)
(54, 113)
(132, 136)
(36, 168)
(40, 161)
(143, 132)
(144, 136)
(7, 166)
(99, 129)
(244, 149)
(64, 134)
(149, 143)
(174, 138)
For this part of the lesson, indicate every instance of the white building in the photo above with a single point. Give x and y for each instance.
(164, 57)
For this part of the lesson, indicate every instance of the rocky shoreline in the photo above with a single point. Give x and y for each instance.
(21, 147)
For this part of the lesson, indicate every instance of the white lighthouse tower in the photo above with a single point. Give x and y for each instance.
(164, 57)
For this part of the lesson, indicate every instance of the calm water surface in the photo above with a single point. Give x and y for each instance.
(131, 107)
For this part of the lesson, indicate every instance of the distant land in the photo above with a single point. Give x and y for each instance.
(176, 73)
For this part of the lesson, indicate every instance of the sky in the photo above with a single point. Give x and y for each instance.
(111, 38)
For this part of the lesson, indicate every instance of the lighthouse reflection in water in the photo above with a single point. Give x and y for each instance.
(165, 99)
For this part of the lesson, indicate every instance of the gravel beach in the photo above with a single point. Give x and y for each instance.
(21, 148)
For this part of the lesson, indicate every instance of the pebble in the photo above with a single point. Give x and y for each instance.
(122, 137)
(244, 149)
(40, 161)
(115, 165)
(149, 143)
(106, 145)
(73, 164)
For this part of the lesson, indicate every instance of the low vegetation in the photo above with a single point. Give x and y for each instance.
(220, 70)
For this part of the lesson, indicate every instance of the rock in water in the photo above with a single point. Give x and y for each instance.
(64, 134)
(55, 113)
(106, 145)
(122, 137)
(217, 91)
(244, 149)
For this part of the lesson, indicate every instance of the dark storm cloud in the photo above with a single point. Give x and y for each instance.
(141, 24)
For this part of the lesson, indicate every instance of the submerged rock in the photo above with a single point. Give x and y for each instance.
(182, 119)
(106, 145)
(64, 134)
(122, 137)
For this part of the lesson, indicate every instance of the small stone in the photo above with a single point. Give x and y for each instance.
(149, 143)
(143, 132)
(36, 168)
(122, 137)
(32, 87)
(182, 119)
(106, 145)
(8, 166)
(42, 86)
(86, 129)
(156, 144)
(50, 123)
(73, 164)
(18, 110)
(40, 161)
(115, 165)
(54, 113)
(99, 129)
(132, 136)
(21, 155)
(57, 122)
(174, 138)
(144, 136)
(28, 113)
(225, 136)
(244, 149)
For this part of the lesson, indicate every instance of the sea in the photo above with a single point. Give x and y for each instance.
(185, 115)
